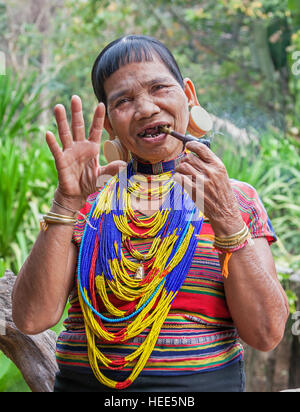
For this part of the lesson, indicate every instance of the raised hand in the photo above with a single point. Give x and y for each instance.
(77, 162)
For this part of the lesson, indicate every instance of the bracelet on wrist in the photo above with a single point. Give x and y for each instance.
(64, 207)
(52, 217)
(231, 244)
(57, 218)
(234, 237)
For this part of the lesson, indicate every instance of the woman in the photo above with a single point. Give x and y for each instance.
(150, 310)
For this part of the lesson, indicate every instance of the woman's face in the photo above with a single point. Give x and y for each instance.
(140, 97)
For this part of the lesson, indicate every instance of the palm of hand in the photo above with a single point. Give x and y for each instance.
(77, 163)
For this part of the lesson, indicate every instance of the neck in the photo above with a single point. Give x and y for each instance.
(145, 167)
(173, 156)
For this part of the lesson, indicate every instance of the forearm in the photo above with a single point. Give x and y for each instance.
(255, 298)
(44, 281)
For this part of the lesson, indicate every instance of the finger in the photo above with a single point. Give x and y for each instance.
(105, 173)
(197, 163)
(184, 181)
(113, 168)
(190, 170)
(77, 122)
(102, 180)
(53, 146)
(97, 124)
(202, 151)
(63, 126)
(195, 189)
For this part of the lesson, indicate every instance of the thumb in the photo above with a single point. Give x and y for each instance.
(104, 173)
(113, 168)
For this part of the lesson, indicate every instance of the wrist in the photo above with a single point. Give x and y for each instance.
(225, 227)
(64, 202)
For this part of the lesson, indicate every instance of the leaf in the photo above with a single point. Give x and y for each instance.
(19, 105)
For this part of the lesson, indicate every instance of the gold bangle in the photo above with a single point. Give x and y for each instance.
(52, 214)
(234, 242)
(44, 223)
(232, 248)
(52, 219)
(234, 236)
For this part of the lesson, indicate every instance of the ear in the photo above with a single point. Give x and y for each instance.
(108, 127)
(190, 92)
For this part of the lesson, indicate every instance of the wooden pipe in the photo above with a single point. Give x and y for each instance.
(184, 138)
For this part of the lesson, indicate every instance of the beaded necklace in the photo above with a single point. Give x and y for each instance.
(102, 267)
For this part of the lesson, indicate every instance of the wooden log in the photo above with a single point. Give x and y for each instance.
(33, 355)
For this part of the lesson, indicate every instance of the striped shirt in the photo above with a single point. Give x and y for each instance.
(198, 334)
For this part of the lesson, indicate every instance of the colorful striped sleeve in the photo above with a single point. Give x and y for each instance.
(253, 211)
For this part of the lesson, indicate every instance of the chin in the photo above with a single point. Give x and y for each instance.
(160, 157)
(160, 154)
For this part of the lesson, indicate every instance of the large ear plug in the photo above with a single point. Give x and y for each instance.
(200, 121)
(114, 150)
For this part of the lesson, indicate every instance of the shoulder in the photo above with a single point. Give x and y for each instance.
(247, 196)
(243, 188)
(253, 211)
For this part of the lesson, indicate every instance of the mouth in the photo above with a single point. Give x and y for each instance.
(153, 131)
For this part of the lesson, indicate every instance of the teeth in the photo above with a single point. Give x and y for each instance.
(157, 133)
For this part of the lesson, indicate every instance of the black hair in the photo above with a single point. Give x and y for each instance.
(130, 49)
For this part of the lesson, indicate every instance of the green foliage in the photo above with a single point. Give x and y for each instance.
(19, 106)
(14, 180)
(27, 182)
(11, 379)
(239, 53)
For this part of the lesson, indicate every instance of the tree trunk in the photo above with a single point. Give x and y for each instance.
(262, 51)
(33, 355)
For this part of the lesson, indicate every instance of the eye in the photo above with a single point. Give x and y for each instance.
(122, 101)
(159, 87)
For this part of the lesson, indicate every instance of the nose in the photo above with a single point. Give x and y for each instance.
(145, 107)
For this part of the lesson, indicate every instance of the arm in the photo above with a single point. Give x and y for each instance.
(43, 285)
(256, 300)
(46, 278)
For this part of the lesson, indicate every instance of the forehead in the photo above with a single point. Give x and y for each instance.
(133, 75)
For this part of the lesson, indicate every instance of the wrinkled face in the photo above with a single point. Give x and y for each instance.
(140, 97)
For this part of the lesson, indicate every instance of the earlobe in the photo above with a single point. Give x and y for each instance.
(190, 92)
(108, 128)
(200, 121)
(113, 149)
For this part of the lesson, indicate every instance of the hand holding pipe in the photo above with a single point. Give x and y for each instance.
(184, 138)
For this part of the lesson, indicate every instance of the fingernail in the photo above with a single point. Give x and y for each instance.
(75, 97)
